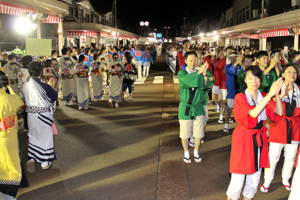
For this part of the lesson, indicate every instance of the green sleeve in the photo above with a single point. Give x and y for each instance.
(188, 80)
(240, 76)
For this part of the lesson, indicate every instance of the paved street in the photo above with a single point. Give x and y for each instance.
(134, 152)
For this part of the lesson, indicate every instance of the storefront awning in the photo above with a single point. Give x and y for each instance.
(83, 33)
(11, 9)
(274, 33)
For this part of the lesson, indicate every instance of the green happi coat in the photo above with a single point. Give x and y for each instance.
(205, 91)
(191, 102)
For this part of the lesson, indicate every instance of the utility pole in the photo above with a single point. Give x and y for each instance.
(115, 2)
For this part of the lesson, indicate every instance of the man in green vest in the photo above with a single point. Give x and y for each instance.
(191, 114)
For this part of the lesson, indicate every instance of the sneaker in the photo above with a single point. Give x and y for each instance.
(226, 130)
(230, 121)
(116, 105)
(220, 121)
(46, 165)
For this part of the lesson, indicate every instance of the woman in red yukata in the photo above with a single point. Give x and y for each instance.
(249, 148)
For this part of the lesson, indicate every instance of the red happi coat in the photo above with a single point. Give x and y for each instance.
(181, 60)
(242, 157)
(222, 75)
(278, 131)
(216, 72)
(208, 60)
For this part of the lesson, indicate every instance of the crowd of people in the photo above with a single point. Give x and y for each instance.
(261, 89)
(31, 86)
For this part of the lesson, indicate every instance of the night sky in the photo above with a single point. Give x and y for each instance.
(162, 13)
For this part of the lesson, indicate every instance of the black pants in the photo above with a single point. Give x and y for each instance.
(25, 120)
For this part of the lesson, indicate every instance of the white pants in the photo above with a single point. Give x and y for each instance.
(139, 70)
(290, 152)
(237, 182)
(145, 70)
(295, 192)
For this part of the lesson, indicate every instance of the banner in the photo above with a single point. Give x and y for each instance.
(38, 47)
(107, 41)
(207, 39)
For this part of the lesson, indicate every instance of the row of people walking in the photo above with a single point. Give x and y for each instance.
(256, 89)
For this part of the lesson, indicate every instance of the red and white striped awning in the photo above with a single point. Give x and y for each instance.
(11, 9)
(246, 35)
(274, 33)
(83, 33)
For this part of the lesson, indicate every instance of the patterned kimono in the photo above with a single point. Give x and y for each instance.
(116, 81)
(12, 71)
(10, 168)
(67, 77)
(97, 79)
(82, 84)
(39, 99)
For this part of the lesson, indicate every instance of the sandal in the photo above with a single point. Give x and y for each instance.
(30, 166)
(264, 189)
(287, 187)
(198, 159)
(187, 160)
(226, 130)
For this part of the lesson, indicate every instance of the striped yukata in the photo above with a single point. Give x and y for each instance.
(39, 99)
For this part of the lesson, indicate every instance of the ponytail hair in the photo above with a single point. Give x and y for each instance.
(115, 56)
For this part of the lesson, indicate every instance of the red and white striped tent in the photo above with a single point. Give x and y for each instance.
(83, 33)
(11, 9)
(274, 33)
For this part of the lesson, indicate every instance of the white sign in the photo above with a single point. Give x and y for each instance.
(143, 40)
(107, 41)
(38, 47)
(207, 39)
(83, 39)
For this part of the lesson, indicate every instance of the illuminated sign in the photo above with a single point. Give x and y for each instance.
(158, 35)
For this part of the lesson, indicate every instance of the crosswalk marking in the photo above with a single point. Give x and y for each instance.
(158, 79)
(175, 79)
(142, 80)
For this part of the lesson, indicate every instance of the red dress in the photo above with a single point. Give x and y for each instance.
(279, 132)
(246, 139)
(221, 71)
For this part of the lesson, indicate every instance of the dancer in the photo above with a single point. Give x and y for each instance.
(249, 147)
(97, 78)
(82, 83)
(285, 134)
(116, 80)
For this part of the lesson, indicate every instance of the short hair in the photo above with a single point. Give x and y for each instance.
(290, 65)
(48, 63)
(256, 71)
(229, 47)
(190, 53)
(249, 57)
(95, 56)
(64, 51)
(35, 69)
(26, 60)
(184, 41)
(81, 58)
(247, 48)
(11, 56)
(3, 80)
(294, 54)
(53, 52)
(86, 51)
(261, 54)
